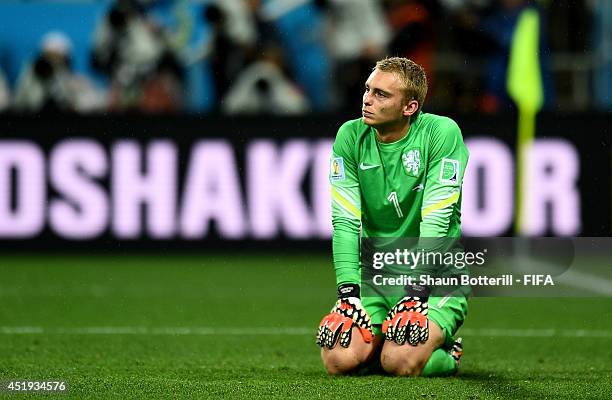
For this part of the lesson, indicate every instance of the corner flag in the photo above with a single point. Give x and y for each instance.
(524, 85)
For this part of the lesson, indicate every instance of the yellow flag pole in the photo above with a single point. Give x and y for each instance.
(524, 84)
(525, 138)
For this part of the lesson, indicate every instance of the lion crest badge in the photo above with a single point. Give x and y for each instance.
(412, 162)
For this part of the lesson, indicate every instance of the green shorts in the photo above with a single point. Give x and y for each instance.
(447, 312)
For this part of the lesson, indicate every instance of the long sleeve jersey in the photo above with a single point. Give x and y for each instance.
(409, 188)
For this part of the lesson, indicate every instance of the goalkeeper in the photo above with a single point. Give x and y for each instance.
(396, 172)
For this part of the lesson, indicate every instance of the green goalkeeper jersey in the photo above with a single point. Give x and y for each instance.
(409, 188)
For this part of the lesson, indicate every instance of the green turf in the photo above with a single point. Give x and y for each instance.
(62, 294)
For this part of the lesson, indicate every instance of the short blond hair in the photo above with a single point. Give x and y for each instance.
(411, 74)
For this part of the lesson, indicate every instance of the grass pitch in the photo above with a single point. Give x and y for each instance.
(242, 326)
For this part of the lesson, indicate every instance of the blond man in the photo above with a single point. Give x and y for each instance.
(396, 172)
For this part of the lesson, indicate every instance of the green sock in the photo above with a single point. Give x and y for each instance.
(439, 364)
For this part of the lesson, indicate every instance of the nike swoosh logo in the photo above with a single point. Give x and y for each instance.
(363, 167)
(418, 187)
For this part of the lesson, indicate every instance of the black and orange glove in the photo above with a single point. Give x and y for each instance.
(407, 321)
(347, 312)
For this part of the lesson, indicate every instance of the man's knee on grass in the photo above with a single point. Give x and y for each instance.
(344, 360)
(400, 363)
(408, 360)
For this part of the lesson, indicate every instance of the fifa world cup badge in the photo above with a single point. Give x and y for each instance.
(449, 171)
(336, 172)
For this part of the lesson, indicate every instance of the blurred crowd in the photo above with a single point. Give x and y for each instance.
(290, 57)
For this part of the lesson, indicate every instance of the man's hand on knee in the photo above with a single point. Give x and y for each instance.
(347, 312)
(407, 321)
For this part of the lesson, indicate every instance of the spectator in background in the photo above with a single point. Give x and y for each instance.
(134, 53)
(571, 30)
(187, 36)
(233, 40)
(500, 26)
(50, 84)
(263, 88)
(5, 94)
(162, 90)
(466, 16)
(475, 45)
(411, 22)
(602, 79)
(353, 47)
(298, 25)
(173, 18)
(241, 21)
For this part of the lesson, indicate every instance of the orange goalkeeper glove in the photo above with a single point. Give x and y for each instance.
(407, 321)
(346, 313)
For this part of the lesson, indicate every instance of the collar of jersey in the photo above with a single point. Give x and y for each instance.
(400, 143)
